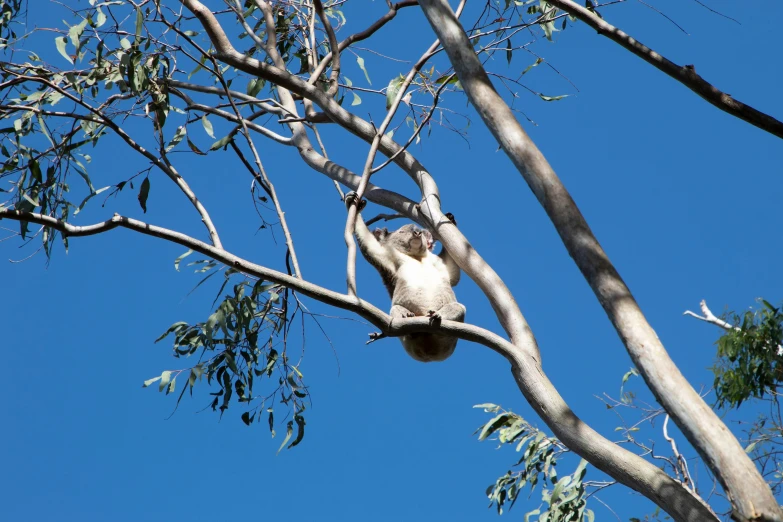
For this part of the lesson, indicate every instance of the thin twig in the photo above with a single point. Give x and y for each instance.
(169, 171)
(687, 480)
(333, 46)
(268, 184)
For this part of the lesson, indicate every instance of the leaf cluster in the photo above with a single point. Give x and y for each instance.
(242, 342)
(750, 362)
(565, 501)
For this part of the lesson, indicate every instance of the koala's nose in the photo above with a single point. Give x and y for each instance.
(417, 233)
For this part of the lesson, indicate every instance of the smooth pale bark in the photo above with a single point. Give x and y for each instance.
(522, 352)
(749, 494)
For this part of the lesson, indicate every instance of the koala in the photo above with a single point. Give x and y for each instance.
(419, 282)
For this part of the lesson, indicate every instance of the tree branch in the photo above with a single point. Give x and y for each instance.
(362, 35)
(379, 319)
(720, 450)
(169, 170)
(710, 317)
(428, 211)
(334, 48)
(686, 75)
(353, 210)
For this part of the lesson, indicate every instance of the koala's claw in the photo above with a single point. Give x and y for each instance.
(410, 314)
(434, 317)
(351, 198)
(450, 217)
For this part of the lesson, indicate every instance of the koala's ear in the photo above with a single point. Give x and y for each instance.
(380, 233)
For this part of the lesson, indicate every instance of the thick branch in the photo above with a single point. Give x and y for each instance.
(686, 75)
(534, 384)
(378, 318)
(720, 450)
(467, 258)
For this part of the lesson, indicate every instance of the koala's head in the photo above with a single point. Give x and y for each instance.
(408, 239)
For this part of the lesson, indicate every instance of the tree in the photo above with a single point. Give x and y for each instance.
(125, 86)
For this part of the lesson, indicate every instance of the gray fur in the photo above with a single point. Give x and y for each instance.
(418, 281)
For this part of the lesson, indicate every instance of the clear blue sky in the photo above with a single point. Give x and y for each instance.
(684, 198)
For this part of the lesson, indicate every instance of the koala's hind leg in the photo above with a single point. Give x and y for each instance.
(400, 312)
(450, 312)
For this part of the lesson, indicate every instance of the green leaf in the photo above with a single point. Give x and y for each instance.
(181, 132)
(89, 197)
(488, 407)
(171, 386)
(195, 149)
(173, 328)
(75, 32)
(300, 423)
(61, 42)
(207, 126)
(150, 381)
(552, 98)
(493, 425)
(254, 86)
(144, 193)
(509, 53)
(222, 142)
(360, 61)
(393, 89)
(125, 44)
(356, 99)
(562, 483)
(534, 64)
(165, 377)
(247, 418)
(139, 22)
(180, 258)
(100, 19)
(751, 447)
(288, 432)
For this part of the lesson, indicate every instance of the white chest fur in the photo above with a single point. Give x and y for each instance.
(422, 285)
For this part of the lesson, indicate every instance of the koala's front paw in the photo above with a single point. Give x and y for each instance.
(434, 317)
(451, 218)
(351, 198)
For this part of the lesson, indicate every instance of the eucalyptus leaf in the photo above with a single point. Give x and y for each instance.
(144, 192)
(207, 126)
(61, 42)
(360, 61)
(165, 378)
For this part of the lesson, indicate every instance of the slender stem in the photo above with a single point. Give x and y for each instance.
(333, 46)
(350, 222)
